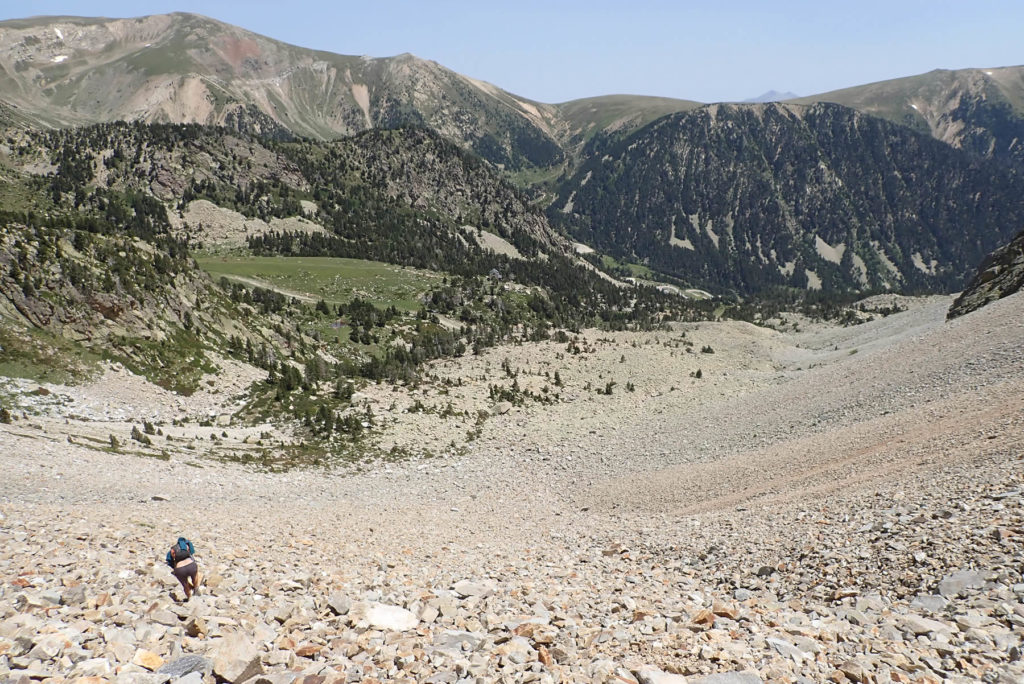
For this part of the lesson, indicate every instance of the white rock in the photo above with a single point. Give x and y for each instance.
(381, 616)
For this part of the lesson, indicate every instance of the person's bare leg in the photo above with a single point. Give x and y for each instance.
(185, 587)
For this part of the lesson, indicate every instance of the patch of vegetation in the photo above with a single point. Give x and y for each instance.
(334, 280)
(37, 354)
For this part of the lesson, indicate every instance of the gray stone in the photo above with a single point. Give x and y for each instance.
(856, 670)
(93, 667)
(729, 678)
(786, 649)
(48, 648)
(917, 625)
(236, 659)
(280, 613)
(457, 641)
(466, 588)
(339, 604)
(648, 674)
(959, 582)
(75, 596)
(277, 678)
(164, 617)
(191, 678)
(441, 678)
(518, 650)
(143, 678)
(933, 603)
(428, 613)
(447, 606)
(186, 665)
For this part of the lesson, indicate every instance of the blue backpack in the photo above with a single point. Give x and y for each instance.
(181, 550)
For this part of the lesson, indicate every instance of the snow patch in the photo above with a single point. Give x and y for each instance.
(59, 34)
(581, 248)
(913, 106)
(59, 58)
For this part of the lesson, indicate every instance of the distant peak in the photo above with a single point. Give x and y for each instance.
(773, 96)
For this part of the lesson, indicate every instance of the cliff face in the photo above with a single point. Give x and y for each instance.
(745, 197)
(1001, 274)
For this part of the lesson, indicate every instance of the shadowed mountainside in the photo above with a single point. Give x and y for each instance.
(754, 196)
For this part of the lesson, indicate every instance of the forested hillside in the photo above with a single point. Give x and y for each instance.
(99, 234)
(748, 197)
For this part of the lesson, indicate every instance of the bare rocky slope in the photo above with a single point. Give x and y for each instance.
(185, 68)
(977, 110)
(1000, 274)
(834, 503)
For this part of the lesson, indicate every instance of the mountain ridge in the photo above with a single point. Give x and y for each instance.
(748, 196)
(184, 67)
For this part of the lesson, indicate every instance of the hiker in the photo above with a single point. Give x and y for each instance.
(181, 559)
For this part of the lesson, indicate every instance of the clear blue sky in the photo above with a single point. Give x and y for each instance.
(557, 50)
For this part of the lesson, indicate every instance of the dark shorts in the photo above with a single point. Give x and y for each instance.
(186, 572)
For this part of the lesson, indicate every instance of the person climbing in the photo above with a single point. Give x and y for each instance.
(181, 559)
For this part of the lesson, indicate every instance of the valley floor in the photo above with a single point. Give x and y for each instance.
(835, 503)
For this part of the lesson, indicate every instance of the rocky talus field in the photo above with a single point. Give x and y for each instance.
(838, 504)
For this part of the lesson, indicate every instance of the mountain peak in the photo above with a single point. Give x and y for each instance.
(773, 96)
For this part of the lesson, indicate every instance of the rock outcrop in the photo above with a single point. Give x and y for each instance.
(1000, 274)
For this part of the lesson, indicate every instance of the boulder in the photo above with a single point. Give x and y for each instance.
(648, 674)
(48, 648)
(75, 596)
(147, 659)
(467, 588)
(339, 604)
(381, 616)
(959, 582)
(188, 664)
(236, 659)
(917, 625)
(933, 603)
(729, 678)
